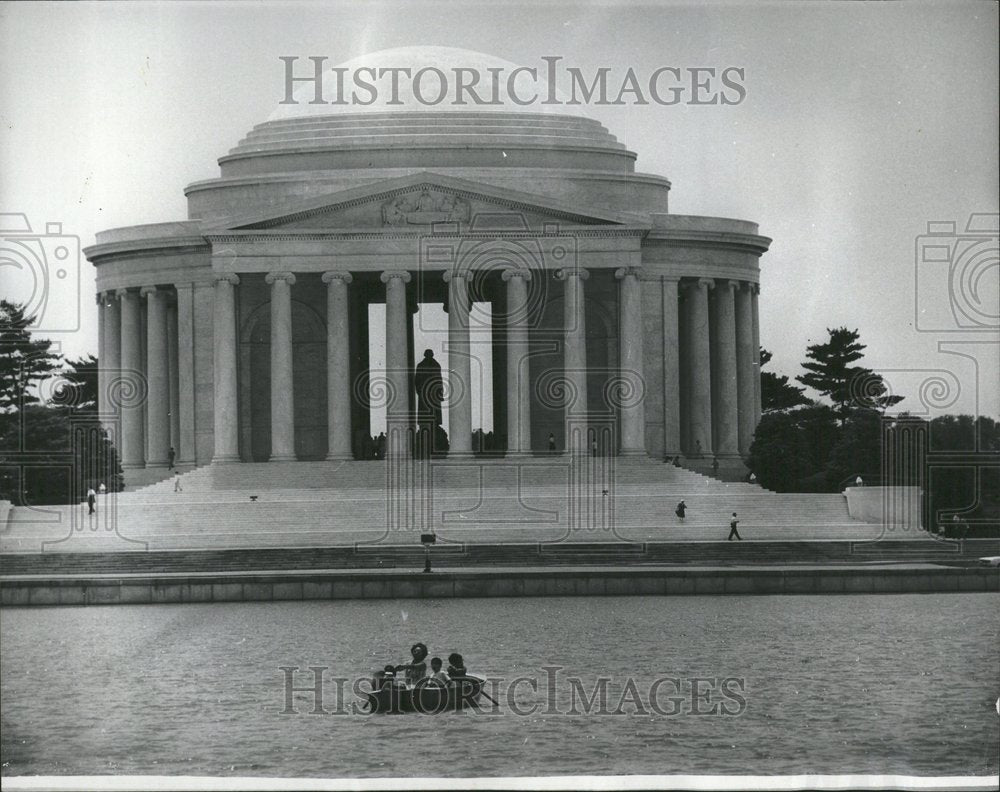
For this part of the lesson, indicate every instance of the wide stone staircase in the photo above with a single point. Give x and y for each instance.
(531, 502)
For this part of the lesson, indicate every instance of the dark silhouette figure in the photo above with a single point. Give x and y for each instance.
(170, 459)
(430, 390)
(430, 396)
(552, 442)
(679, 511)
(715, 466)
(732, 529)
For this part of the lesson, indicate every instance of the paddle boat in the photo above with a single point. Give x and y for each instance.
(428, 696)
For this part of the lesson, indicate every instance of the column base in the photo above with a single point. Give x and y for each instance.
(133, 465)
(156, 465)
(226, 459)
(339, 457)
(633, 452)
(282, 458)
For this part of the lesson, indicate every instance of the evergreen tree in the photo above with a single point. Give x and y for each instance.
(830, 370)
(23, 361)
(82, 379)
(776, 392)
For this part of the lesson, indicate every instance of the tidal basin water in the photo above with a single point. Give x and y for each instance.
(831, 684)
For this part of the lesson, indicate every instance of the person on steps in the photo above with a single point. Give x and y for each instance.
(679, 511)
(732, 529)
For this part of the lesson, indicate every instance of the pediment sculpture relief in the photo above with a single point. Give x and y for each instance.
(425, 207)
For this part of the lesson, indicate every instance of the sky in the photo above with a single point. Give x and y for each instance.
(862, 123)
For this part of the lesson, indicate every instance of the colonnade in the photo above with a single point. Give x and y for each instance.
(711, 386)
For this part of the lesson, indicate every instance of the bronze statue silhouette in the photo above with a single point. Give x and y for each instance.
(430, 390)
(431, 437)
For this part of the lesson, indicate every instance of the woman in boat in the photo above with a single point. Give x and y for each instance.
(416, 670)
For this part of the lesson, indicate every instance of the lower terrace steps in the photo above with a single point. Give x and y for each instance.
(533, 554)
(482, 501)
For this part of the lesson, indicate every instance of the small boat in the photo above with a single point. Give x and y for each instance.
(428, 696)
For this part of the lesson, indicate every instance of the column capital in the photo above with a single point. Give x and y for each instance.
(227, 277)
(730, 284)
(119, 293)
(698, 283)
(388, 275)
(184, 286)
(450, 275)
(337, 275)
(512, 272)
(572, 272)
(147, 290)
(272, 277)
(624, 272)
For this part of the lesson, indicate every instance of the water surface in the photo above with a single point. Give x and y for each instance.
(832, 684)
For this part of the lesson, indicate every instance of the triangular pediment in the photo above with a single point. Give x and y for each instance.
(421, 201)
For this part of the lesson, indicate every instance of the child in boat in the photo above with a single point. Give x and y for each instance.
(456, 665)
(416, 670)
(436, 673)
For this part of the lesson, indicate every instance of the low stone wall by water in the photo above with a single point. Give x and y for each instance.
(538, 582)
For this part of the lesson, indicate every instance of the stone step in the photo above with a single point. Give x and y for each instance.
(494, 555)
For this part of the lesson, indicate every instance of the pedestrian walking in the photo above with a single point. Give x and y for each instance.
(679, 511)
(552, 442)
(91, 501)
(170, 459)
(102, 489)
(732, 529)
(177, 483)
(715, 466)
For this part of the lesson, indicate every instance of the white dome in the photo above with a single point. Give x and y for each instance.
(426, 92)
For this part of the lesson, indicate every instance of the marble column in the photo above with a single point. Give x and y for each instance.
(226, 420)
(518, 371)
(699, 401)
(725, 411)
(173, 363)
(747, 392)
(109, 366)
(282, 382)
(338, 366)
(755, 291)
(459, 366)
(102, 354)
(157, 377)
(133, 386)
(671, 368)
(185, 374)
(397, 368)
(575, 358)
(632, 410)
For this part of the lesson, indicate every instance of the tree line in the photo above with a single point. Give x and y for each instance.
(824, 444)
(52, 445)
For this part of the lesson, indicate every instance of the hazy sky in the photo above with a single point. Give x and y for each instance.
(862, 123)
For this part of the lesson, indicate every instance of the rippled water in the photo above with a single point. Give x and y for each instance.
(873, 684)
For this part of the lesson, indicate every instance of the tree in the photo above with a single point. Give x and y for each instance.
(790, 449)
(82, 379)
(23, 361)
(776, 392)
(830, 371)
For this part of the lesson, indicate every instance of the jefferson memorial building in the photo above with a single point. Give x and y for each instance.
(244, 333)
